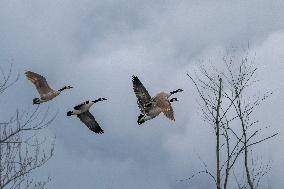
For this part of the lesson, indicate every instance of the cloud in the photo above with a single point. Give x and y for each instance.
(96, 46)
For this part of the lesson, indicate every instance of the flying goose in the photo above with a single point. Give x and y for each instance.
(151, 107)
(46, 93)
(82, 112)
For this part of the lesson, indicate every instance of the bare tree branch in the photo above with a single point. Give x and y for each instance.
(22, 149)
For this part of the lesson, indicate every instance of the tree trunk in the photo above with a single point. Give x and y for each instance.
(218, 171)
(245, 146)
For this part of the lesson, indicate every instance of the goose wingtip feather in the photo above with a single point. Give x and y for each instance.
(134, 77)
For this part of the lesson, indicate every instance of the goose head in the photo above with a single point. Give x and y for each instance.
(140, 119)
(36, 101)
(68, 87)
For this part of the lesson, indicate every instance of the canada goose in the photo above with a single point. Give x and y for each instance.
(82, 112)
(152, 107)
(46, 93)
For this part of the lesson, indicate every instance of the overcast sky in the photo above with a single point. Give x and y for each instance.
(97, 45)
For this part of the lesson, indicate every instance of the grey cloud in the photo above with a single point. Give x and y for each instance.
(96, 46)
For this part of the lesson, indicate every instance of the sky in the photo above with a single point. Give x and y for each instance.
(97, 45)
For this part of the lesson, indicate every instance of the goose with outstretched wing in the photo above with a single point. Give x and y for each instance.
(151, 107)
(83, 113)
(45, 92)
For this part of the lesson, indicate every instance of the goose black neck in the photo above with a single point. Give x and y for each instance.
(176, 91)
(100, 99)
(62, 89)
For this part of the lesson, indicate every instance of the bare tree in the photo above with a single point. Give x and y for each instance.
(22, 149)
(226, 106)
(240, 79)
(5, 81)
(210, 87)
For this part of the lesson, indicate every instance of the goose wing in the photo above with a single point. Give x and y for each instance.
(89, 120)
(141, 93)
(166, 107)
(39, 82)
